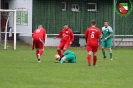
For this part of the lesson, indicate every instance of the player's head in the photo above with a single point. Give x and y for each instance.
(93, 23)
(65, 26)
(40, 26)
(106, 23)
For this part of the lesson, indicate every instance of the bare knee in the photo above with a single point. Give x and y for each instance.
(102, 48)
(94, 53)
(64, 49)
(37, 49)
(90, 52)
(58, 49)
(64, 58)
(110, 49)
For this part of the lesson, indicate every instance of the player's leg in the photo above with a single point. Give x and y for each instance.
(41, 46)
(37, 54)
(59, 51)
(66, 46)
(94, 58)
(103, 52)
(89, 49)
(110, 53)
(94, 50)
(40, 49)
(59, 48)
(109, 45)
(103, 49)
(40, 54)
(68, 58)
(35, 43)
(63, 59)
(72, 59)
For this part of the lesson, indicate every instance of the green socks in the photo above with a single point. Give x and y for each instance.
(103, 53)
(110, 54)
(104, 56)
(61, 61)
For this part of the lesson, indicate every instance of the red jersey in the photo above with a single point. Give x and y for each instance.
(66, 34)
(92, 34)
(39, 33)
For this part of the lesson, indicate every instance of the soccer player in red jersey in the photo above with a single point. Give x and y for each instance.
(38, 41)
(93, 35)
(67, 38)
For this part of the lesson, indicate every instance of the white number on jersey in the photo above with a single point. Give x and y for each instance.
(37, 31)
(92, 34)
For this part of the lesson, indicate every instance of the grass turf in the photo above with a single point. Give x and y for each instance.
(19, 69)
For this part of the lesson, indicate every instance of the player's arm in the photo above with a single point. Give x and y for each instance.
(33, 45)
(86, 33)
(44, 35)
(99, 37)
(60, 34)
(100, 41)
(71, 37)
(102, 33)
(109, 36)
(111, 33)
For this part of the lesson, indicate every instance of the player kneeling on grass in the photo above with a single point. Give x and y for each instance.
(38, 41)
(68, 56)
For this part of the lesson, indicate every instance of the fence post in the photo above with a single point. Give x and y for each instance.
(114, 22)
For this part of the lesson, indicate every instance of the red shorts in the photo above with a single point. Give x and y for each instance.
(92, 48)
(64, 45)
(38, 43)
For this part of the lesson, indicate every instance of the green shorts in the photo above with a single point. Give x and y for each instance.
(71, 58)
(107, 43)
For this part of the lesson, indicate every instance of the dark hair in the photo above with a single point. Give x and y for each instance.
(93, 22)
(65, 24)
(105, 21)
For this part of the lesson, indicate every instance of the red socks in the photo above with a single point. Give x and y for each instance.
(59, 52)
(41, 51)
(64, 51)
(89, 59)
(37, 52)
(94, 60)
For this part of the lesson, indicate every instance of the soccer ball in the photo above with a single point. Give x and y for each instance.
(57, 57)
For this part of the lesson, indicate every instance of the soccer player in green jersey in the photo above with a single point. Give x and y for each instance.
(68, 56)
(106, 36)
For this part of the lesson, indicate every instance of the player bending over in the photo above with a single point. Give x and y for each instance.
(68, 56)
(38, 41)
(106, 36)
(93, 35)
(67, 38)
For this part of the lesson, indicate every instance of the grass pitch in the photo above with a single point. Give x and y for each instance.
(20, 69)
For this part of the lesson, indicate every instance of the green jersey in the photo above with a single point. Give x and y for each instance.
(68, 52)
(70, 56)
(106, 31)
